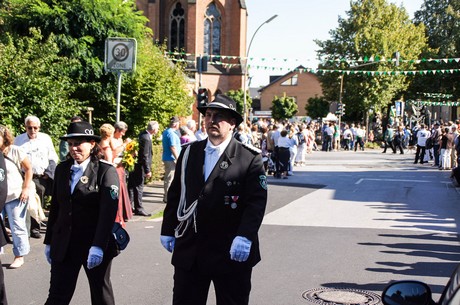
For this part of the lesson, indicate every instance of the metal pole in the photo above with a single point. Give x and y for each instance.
(245, 66)
(340, 98)
(118, 96)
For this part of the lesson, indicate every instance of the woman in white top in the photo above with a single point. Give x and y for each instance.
(284, 142)
(20, 192)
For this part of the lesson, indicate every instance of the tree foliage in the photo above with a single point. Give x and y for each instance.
(373, 28)
(78, 30)
(34, 79)
(442, 24)
(283, 108)
(317, 107)
(238, 97)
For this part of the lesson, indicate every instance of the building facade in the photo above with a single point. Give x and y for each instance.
(296, 84)
(214, 30)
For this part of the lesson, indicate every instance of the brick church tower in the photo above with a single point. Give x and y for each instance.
(215, 29)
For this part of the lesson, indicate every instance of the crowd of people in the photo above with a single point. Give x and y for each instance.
(439, 143)
(33, 171)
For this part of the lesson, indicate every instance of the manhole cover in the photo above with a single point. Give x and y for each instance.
(333, 296)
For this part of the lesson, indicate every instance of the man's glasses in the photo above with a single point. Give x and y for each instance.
(32, 127)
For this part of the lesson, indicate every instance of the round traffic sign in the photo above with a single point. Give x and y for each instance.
(120, 52)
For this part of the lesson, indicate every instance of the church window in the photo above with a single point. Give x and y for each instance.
(212, 30)
(177, 28)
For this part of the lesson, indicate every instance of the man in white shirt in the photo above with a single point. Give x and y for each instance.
(43, 158)
(201, 133)
(422, 136)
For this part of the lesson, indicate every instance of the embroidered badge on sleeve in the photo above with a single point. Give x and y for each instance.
(263, 181)
(114, 192)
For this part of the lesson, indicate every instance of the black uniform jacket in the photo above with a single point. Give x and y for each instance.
(4, 239)
(84, 218)
(144, 159)
(230, 203)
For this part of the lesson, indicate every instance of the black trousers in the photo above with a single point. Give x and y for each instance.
(191, 287)
(419, 154)
(3, 300)
(64, 277)
(389, 144)
(136, 189)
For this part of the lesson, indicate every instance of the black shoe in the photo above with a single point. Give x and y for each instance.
(35, 234)
(142, 213)
(417, 162)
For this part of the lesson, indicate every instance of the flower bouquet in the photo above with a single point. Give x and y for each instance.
(130, 155)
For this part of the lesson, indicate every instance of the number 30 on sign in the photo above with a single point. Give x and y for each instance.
(120, 54)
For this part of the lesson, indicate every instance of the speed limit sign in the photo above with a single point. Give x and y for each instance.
(120, 54)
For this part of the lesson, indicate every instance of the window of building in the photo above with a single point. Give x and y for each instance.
(212, 30)
(177, 28)
(290, 82)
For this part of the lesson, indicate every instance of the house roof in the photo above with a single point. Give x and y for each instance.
(296, 70)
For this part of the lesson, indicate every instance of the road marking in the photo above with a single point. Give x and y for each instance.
(391, 180)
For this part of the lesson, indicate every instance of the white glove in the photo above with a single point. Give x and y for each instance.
(240, 249)
(48, 253)
(95, 257)
(168, 242)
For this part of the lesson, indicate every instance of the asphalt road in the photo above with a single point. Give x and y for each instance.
(351, 220)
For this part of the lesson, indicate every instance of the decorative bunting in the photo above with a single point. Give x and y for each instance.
(432, 103)
(236, 61)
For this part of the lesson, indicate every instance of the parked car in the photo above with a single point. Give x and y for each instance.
(418, 293)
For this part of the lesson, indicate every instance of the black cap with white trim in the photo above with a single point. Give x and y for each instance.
(80, 130)
(225, 103)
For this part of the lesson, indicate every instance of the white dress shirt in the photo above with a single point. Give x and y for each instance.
(212, 155)
(41, 153)
(77, 171)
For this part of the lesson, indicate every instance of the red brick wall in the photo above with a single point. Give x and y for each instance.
(307, 86)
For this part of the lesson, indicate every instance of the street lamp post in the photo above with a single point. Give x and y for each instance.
(245, 115)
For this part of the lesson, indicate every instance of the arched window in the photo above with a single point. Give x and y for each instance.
(212, 30)
(177, 28)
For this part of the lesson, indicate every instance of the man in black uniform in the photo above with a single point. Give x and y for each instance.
(142, 169)
(215, 207)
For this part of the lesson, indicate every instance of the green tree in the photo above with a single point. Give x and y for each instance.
(373, 29)
(34, 79)
(283, 108)
(317, 107)
(238, 97)
(157, 90)
(442, 24)
(80, 29)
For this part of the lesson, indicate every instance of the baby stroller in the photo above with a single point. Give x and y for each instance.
(270, 164)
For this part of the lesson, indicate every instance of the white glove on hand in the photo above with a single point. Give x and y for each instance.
(95, 257)
(240, 249)
(168, 242)
(48, 253)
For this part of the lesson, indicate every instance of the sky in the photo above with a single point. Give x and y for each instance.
(288, 40)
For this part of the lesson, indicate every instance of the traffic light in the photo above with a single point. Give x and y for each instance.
(202, 97)
(340, 109)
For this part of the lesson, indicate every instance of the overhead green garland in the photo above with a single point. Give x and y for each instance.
(365, 59)
(432, 103)
(322, 71)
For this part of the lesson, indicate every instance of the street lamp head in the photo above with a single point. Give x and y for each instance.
(271, 18)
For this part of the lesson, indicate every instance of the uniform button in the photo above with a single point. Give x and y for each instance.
(70, 213)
